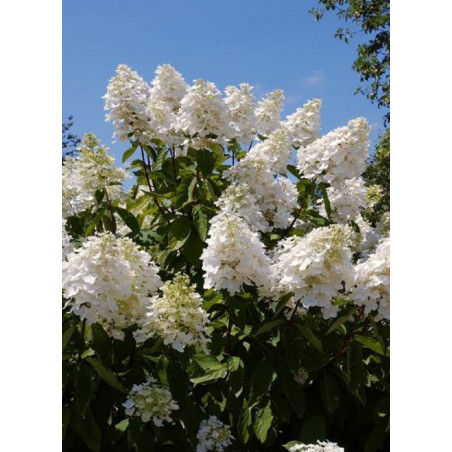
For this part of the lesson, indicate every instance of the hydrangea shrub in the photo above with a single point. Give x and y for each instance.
(233, 298)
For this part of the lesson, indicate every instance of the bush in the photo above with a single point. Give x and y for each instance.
(233, 298)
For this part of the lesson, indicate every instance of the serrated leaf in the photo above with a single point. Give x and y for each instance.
(244, 424)
(106, 374)
(370, 343)
(201, 221)
(263, 422)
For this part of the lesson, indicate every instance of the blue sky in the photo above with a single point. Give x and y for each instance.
(266, 43)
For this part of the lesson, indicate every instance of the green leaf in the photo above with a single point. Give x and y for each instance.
(263, 422)
(323, 188)
(206, 162)
(206, 362)
(101, 344)
(106, 374)
(313, 429)
(293, 170)
(178, 234)
(376, 438)
(66, 415)
(67, 336)
(99, 195)
(129, 219)
(84, 387)
(244, 424)
(193, 249)
(178, 382)
(87, 429)
(122, 426)
(208, 187)
(262, 378)
(128, 153)
(270, 325)
(282, 302)
(236, 376)
(329, 393)
(140, 437)
(294, 392)
(201, 221)
(370, 343)
(216, 375)
(340, 321)
(311, 337)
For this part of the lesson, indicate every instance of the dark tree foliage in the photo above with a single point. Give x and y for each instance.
(378, 172)
(372, 63)
(69, 140)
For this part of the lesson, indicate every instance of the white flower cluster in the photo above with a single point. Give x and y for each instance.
(321, 446)
(373, 281)
(238, 199)
(337, 156)
(315, 266)
(177, 316)
(150, 401)
(172, 111)
(275, 198)
(91, 171)
(127, 100)
(275, 151)
(109, 280)
(234, 255)
(304, 124)
(213, 435)
(203, 112)
(346, 199)
(268, 112)
(168, 89)
(240, 104)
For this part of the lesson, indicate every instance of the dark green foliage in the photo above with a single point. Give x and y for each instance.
(378, 172)
(247, 377)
